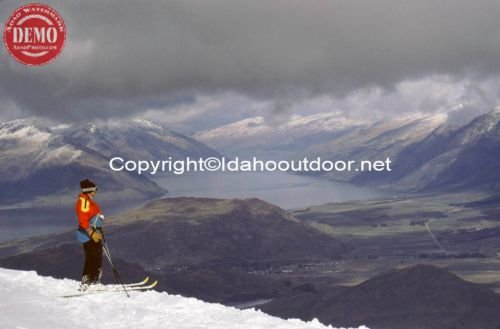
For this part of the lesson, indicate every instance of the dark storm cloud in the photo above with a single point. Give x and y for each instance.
(126, 56)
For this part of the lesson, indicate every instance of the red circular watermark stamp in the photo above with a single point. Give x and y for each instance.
(34, 34)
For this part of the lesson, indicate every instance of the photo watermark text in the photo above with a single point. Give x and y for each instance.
(215, 164)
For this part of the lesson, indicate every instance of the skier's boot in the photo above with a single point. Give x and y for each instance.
(84, 285)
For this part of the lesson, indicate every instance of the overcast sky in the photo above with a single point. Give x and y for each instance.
(206, 62)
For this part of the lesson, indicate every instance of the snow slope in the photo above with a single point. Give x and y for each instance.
(29, 301)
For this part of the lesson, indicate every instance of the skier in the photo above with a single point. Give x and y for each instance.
(89, 233)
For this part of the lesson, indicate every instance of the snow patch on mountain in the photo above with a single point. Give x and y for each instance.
(92, 128)
(388, 136)
(22, 130)
(296, 125)
(61, 155)
(479, 127)
(258, 133)
(148, 124)
(30, 301)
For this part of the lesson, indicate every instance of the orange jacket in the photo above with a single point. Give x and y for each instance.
(86, 208)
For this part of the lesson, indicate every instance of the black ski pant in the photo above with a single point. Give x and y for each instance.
(93, 262)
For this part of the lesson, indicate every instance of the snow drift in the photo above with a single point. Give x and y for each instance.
(30, 301)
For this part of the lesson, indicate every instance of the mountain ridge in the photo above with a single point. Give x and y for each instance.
(456, 159)
(40, 163)
(428, 153)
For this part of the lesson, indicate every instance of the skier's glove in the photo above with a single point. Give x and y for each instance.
(95, 235)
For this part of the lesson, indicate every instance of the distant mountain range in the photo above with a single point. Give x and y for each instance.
(427, 153)
(258, 136)
(136, 139)
(448, 159)
(376, 141)
(44, 164)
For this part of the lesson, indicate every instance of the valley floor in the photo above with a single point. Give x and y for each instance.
(460, 232)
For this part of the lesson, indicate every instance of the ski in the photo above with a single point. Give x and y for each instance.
(120, 288)
(135, 284)
(143, 282)
(114, 289)
(109, 286)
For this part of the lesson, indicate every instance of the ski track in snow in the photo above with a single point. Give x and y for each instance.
(29, 301)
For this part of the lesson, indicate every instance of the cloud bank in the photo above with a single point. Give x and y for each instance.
(126, 57)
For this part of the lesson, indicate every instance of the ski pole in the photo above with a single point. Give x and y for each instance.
(117, 276)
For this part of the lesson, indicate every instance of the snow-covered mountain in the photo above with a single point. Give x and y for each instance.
(137, 139)
(258, 135)
(376, 141)
(326, 134)
(464, 158)
(45, 163)
(427, 153)
(450, 159)
(29, 301)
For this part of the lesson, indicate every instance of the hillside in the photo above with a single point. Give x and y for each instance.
(377, 141)
(206, 248)
(416, 297)
(196, 231)
(427, 155)
(448, 159)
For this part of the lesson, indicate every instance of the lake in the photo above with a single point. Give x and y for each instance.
(285, 190)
